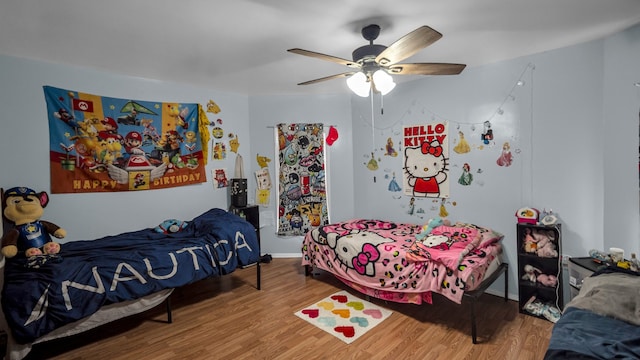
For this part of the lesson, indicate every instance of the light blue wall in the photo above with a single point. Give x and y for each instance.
(573, 133)
(573, 129)
(621, 99)
(24, 142)
(267, 111)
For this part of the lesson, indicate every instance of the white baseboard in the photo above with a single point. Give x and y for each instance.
(286, 255)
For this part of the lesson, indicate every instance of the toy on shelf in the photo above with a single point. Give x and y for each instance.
(540, 242)
(548, 311)
(527, 215)
(535, 275)
(548, 218)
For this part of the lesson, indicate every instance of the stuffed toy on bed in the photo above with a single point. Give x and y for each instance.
(30, 236)
(171, 226)
(429, 226)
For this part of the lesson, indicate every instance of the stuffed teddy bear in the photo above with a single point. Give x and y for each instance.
(530, 273)
(547, 280)
(171, 226)
(540, 242)
(546, 248)
(534, 275)
(30, 236)
(530, 243)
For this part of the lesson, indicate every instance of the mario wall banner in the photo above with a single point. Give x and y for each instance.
(426, 157)
(102, 144)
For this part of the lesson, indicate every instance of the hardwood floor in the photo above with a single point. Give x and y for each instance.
(228, 318)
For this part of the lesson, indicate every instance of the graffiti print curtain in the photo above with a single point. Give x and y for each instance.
(302, 197)
(102, 144)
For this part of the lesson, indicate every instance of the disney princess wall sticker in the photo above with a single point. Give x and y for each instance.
(373, 163)
(426, 156)
(443, 213)
(389, 150)
(505, 158)
(393, 184)
(487, 134)
(466, 178)
(412, 206)
(463, 146)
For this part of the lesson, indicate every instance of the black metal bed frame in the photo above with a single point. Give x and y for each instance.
(473, 295)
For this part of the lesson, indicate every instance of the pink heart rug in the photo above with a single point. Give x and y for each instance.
(344, 316)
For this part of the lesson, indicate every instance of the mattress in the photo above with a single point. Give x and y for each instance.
(385, 260)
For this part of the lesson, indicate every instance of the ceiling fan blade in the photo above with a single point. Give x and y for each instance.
(336, 76)
(427, 69)
(320, 56)
(408, 45)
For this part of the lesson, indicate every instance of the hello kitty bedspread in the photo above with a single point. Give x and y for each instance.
(385, 259)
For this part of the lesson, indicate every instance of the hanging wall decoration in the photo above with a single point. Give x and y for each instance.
(389, 150)
(263, 189)
(301, 170)
(220, 179)
(426, 156)
(487, 134)
(505, 158)
(393, 184)
(466, 177)
(112, 144)
(212, 107)
(463, 146)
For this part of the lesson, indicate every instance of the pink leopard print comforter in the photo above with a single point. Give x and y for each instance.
(385, 260)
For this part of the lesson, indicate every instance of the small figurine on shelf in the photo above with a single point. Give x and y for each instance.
(548, 218)
(634, 263)
(527, 215)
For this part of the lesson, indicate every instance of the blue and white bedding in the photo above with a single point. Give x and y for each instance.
(602, 321)
(94, 273)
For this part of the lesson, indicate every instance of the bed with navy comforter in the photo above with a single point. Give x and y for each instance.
(602, 321)
(92, 274)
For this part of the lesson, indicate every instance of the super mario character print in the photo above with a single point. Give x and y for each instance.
(112, 144)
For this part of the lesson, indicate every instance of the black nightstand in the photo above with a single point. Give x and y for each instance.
(251, 213)
(579, 269)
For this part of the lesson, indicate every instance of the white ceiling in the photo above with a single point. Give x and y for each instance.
(240, 45)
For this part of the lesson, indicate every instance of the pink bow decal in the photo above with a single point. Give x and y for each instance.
(369, 254)
(433, 150)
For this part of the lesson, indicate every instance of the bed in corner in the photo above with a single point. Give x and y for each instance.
(602, 321)
(407, 263)
(93, 282)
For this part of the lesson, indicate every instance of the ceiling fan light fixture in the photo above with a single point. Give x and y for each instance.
(376, 63)
(383, 81)
(358, 84)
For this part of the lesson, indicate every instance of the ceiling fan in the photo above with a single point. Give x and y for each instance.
(373, 63)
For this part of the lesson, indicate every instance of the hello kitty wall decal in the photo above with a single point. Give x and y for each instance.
(426, 160)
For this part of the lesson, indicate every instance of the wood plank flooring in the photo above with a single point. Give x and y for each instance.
(228, 318)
